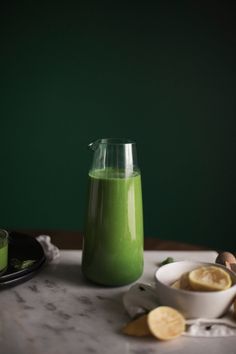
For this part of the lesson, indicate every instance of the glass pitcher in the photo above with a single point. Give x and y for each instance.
(113, 240)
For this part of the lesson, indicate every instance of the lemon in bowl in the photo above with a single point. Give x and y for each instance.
(196, 289)
(209, 278)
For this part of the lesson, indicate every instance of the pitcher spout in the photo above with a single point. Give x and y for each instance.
(94, 145)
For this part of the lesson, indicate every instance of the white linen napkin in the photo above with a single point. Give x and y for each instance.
(141, 298)
(52, 253)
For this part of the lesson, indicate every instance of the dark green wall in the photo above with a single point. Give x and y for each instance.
(161, 73)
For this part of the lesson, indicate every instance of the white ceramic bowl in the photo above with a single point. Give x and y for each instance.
(192, 304)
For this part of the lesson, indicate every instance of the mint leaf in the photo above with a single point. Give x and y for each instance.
(166, 261)
(20, 265)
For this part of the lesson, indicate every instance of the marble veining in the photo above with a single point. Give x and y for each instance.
(59, 312)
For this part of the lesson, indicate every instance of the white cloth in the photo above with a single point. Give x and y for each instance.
(141, 298)
(52, 253)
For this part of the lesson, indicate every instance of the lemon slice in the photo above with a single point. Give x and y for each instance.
(182, 283)
(209, 278)
(235, 307)
(176, 284)
(137, 327)
(165, 323)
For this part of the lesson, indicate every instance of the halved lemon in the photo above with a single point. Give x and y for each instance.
(137, 327)
(182, 283)
(235, 307)
(176, 284)
(209, 278)
(165, 322)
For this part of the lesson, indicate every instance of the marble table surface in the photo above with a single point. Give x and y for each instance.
(58, 312)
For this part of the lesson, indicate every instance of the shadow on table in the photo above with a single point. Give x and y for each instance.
(68, 274)
(71, 275)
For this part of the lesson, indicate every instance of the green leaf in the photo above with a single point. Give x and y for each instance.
(20, 265)
(166, 261)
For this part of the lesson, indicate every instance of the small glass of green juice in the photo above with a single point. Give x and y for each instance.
(3, 251)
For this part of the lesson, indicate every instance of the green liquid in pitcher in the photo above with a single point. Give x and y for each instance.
(113, 243)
